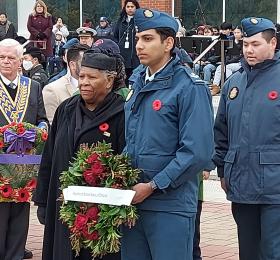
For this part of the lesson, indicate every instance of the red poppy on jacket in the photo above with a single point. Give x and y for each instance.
(20, 125)
(104, 127)
(273, 95)
(6, 191)
(157, 105)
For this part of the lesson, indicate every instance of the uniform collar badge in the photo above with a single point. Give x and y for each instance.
(148, 13)
(272, 95)
(254, 21)
(233, 93)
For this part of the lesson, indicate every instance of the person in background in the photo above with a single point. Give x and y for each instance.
(216, 30)
(247, 142)
(40, 26)
(32, 64)
(104, 29)
(55, 62)
(87, 23)
(17, 108)
(169, 136)
(86, 35)
(124, 36)
(56, 92)
(60, 27)
(64, 50)
(7, 29)
(232, 61)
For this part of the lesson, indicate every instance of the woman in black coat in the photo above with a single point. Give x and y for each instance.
(124, 36)
(77, 121)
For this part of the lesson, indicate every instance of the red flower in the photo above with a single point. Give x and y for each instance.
(44, 136)
(20, 125)
(20, 130)
(104, 127)
(273, 95)
(97, 168)
(157, 105)
(80, 221)
(90, 178)
(90, 236)
(2, 130)
(23, 195)
(2, 144)
(31, 184)
(92, 213)
(6, 191)
(13, 124)
(92, 158)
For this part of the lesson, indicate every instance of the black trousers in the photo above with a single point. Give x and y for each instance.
(258, 227)
(14, 222)
(196, 238)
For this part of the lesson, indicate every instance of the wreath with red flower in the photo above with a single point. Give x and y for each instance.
(96, 226)
(21, 145)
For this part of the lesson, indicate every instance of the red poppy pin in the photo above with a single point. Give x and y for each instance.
(103, 128)
(272, 95)
(157, 105)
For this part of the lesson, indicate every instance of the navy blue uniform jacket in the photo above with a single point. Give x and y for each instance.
(247, 134)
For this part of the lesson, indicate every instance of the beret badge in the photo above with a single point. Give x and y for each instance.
(148, 13)
(254, 21)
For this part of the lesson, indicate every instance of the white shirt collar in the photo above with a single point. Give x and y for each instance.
(150, 78)
(7, 82)
(74, 82)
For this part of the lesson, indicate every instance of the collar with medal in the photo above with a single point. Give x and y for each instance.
(14, 110)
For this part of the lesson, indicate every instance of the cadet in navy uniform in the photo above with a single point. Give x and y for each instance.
(169, 136)
(247, 140)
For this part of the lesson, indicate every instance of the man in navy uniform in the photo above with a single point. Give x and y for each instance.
(86, 35)
(247, 140)
(169, 137)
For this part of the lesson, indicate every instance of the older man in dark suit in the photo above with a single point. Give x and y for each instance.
(15, 90)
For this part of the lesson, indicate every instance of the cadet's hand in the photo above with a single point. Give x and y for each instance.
(143, 191)
(205, 175)
(223, 184)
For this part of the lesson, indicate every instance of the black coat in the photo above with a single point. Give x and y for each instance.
(122, 30)
(67, 133)
(39, 74)
(10, 31)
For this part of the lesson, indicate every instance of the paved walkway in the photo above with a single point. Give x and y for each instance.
(218, 230)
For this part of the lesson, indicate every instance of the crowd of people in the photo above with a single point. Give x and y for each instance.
(159, 110)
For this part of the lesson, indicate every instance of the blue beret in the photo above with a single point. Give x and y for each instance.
(254, 25)
(146, 19)
(70, 43)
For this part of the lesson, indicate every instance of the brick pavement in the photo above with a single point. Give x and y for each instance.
(218, 230)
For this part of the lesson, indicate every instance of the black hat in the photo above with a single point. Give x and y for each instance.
(34, 52)
(98, 61)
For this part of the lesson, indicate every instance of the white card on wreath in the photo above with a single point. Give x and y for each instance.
(98, 195)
